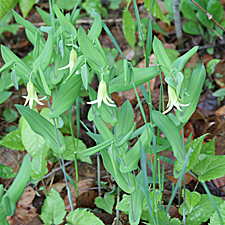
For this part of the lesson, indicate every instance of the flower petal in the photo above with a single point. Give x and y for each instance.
(93, 102)
(65, 67)
(107, 103)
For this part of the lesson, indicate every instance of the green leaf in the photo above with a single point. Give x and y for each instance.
(214, 219)
(4, 95)
(66, 95)
(64, 22)
(203, 210)
(5, 6)
(32, 141)
(192, 28)
(191, 199)
(14, 79)
(196, 146)
(215, 8)
(85, 75)
(187, 11)
(209, 148)
(25, 6)
(44, 128)
(39, 163)
(128, 28)
(53, 210)
(124, 204)
(141, 75)
(114, 4)
(6, 172)
(171, 132)
(13, 140)
(81, 216)
(156, 11)
(94, 58)
(10, 115)
(105, 203)
(125, 119)
(69, 153)
(219, 93)
(211, 167)
(96, 27)
(203, 18)
(194, 89)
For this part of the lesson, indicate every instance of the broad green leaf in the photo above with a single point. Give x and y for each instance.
(4, 95)
(85, 75)
(5, 6)
(25, 6)
(7, 66)
(94, 6)
(45, 56)
(196, 146)
(21, 68)
(171, 132)
(53, 210)
(192, 28)
(39, 164)
(211, 167)
(187, 11)
(214, 219)
(69, 153)
(96, 27)
(44, 128)
(46, 17)
(137, 199)
(124, 204)
(64, 22)
(128, 28)
(66, 95)
(163, 60)
(10, 115)
(20, 20)
(130, 160)
(141, 75)
(14, 79)
(191, 199)
(104, 110)
(94, 58)
(105, 203)
(194, 89)
(114, 4)
(157, 12)
(6, 172)
(181, 61)
(215, 8)
(209, 148)
(125, 119)
(32, 141)
(210, 68)
(203, 210)
(81, 216)
(13, 140)
(203, 18)
(219, 93)
(120, 178)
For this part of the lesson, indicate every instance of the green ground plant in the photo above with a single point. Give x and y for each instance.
(62, 67)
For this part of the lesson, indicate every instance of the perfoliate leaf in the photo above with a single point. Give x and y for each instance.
(81, 216)
(13, 140)
(53, 210)
(25, 6)
(128, 28)
(211, 167)
(105, 203)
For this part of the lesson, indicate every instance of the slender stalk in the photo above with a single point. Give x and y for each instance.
(70, 120)
(118, 211)
(63, 165)
(44, 188)
(184, 203)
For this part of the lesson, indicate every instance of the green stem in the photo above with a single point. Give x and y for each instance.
(118, 211)
(44, 188)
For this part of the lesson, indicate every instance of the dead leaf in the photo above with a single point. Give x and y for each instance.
(25, 211)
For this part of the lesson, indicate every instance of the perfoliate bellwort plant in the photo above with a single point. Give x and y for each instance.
(73, 59)
(102, 96)
(174, 100)
(32, 95)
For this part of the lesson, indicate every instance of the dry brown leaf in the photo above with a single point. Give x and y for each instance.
(25, 211)
(57, 186)
(220, 111)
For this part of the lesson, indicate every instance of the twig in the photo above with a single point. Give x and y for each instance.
(208, 14)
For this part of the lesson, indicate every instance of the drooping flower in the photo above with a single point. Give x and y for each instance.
(32, 95)
(174, 100)
(102, 96)
(73, 59)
